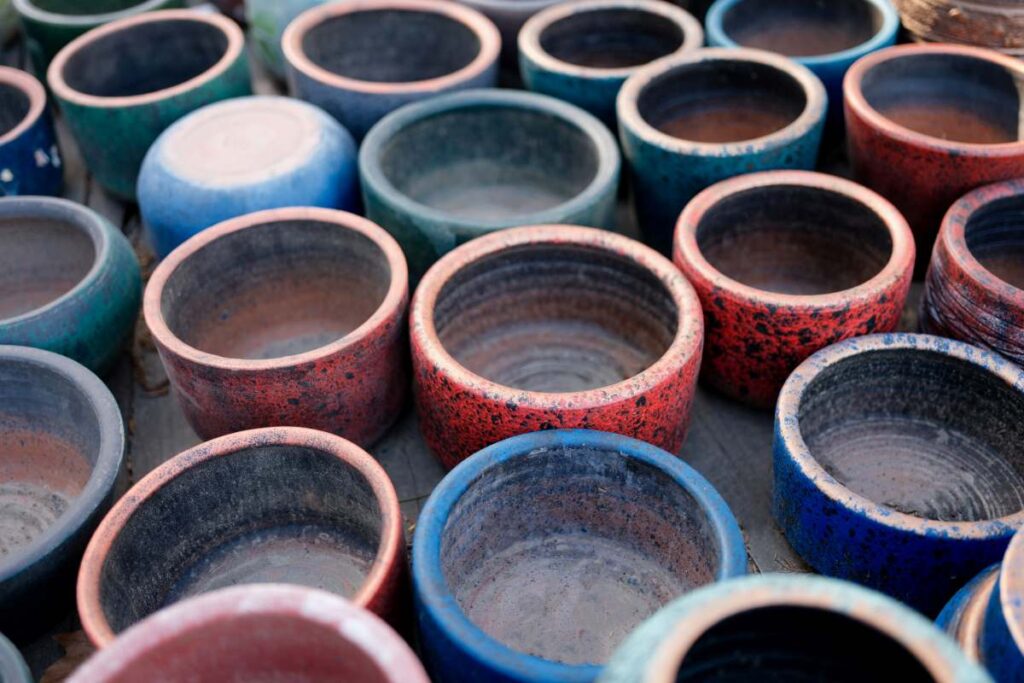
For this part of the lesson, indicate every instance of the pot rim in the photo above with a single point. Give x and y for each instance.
(12, 664)
(428, 575)
(963, 616)
(28, 9)
(29, 86)
(391, 307)
(1011, 590)
(233, 51)
(517, 7)
(88, 589)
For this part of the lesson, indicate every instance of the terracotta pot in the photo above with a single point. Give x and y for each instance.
(13, 668)
(30, 161)
(998, 24)
(291, 316)
(534, 558)
(553, 326)
(786, 263)
(283, 505)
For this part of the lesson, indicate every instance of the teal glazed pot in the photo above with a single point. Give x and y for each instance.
(69, 281)
(30, 161)
(267, 20)
(777, 627)
(118, 90)
(13, 668)
(438, 173)
(688, 122)
(582, 52)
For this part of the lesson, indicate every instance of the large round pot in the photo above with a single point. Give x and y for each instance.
(30, 161)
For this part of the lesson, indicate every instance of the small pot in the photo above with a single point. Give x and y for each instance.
(582, 52)
(282, 505)
(899, 463)
(335, 58)
(690, 121)
(453, 168)
(30, 161)
(292, 316)
(120, 85)
(69, 281)
(927, 123)
(974, 291)
(786, 263)
(243, 155)
(789, 627)
(267, 20)
(13, 668)
(553, 326)
(998, 24)
(533, 559)
(63, 442)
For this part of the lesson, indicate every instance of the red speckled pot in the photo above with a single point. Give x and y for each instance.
(927, 123)
(548, 327)
(786, 263)
(291, 316)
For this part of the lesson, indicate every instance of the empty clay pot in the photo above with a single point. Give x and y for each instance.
(975, 287)
(786, 263)
(899, 463)
(13, 668)
(963, 617)
(30, 161)
(553, 326)
(998, 24)
(928, 123)
(534, 558)
(282, 505)
(335, 59)
(291, 316)
(1002, 645)
(62, 442)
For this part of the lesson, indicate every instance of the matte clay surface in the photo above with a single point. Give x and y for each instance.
(801, 29)
(612, 38)
(41, 259)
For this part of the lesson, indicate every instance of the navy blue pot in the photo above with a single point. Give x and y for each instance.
(30, 161)
(1002, 642)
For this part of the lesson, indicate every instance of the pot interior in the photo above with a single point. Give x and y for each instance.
(995, 237)
(611, 38)
(919, 432)
(802, 29)
(85, 7)
(560, 553)
(14, 107)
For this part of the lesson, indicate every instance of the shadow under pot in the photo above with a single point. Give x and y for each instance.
(283, 505)
(550, 327)
(786, 263)
(691, 121)
(289, 316)
(928, 123)
(30, 160)
(62, 442)
(534, 558)
(899, 463)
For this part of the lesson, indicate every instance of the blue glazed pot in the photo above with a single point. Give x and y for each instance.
(534, 557)
(776, 627)
(1002, 645)
(899, 463)
(13, 668)
(243, 155)
(69, 282)
(688, 122)
(30, 161)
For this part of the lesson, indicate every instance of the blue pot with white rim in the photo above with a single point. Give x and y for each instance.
(30, 160)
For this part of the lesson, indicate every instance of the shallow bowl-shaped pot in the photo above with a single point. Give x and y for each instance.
(13, 668)
(267, 20)
(69, 281)
(281, 505)
(335, 59)
(786, 263)
(63, 442)
(30, 161)
(290, 316)
(242, 155)
(534, 558)
(899, 463)
(119, 86)
(998, 24)
(553, 326)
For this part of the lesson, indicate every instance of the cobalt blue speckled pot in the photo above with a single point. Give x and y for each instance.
(243, 155)
(776, 627)
(899, 463)
(688, 122)
(30, 161)
(536, 556)
(1002, 646)
(13, 668)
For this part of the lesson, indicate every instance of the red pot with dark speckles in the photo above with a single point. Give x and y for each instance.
(786, 263)
(553, 326)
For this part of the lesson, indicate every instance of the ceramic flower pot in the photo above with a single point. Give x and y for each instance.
(974, 291)
(963, 617)
(30, 161)
(281, 505)
(688, 122)
(582, 52)
(13, 668)
(899, 463)
(998, 24)
(63, 442)
(927, 123)
(69, 281)
(548, 327)
(509, 16)
(534, 558)
(116, 112)
(334, 57)
(243, 155)
(267, 21)
(448, 170)
(786, 263)
(788, 627)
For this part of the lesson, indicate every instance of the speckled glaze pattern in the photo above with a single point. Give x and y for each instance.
(1002, 646)
(30, 160)
(267, 21)
(13, 668)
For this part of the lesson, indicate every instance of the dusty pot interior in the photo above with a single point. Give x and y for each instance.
(14, 107)
(995, 237)
(802, 29)
(611, 38)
